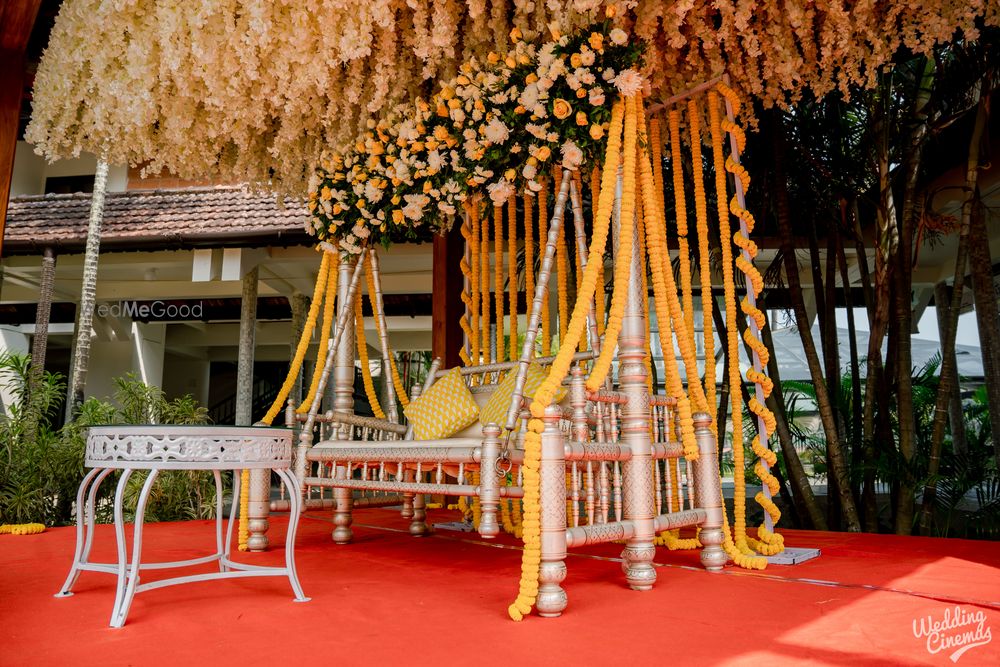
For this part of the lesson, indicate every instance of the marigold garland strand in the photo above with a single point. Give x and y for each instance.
(595, 191)
(732, 334)
(680, 210)
(623, 259)
(531, 556)
(543, 233)
(704, 253)
(366, 371)
(512, 347)
(243, 532)
(529, 251)
(498, 279)
(465, 321)
(22, 528)
(484, 281)
(303, 345)
(668, 307)
(329, 316)
(768, 543)
(562, 282)
(397, 382)
(472, 211)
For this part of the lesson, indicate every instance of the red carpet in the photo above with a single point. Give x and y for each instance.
(393, 599)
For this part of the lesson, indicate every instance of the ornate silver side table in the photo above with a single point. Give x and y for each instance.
(156, 448)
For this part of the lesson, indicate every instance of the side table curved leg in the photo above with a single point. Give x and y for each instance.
(78, 557)
(235, 501)
(219, 519)
(118, 617)
(295, 507)
(120, 541)
(91, 512)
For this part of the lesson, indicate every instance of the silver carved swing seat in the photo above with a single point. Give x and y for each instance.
(612, 466)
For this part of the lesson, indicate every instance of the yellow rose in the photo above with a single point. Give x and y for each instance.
(427, 186)
(609, 11)
(596, 41)
(492, 58)
(554, 31)
(561, 109)
(447, 93)
(462, 80)
(442, 110)
(431, 144)
(581, 93)
(581, 118)
(397, 216)
(337, 209)
(417, 146)
(533, 161)
(395, 183)
(576, 60)
(361, 203)
(531, 78)
(519, 109)
(396, 198)
(440, 133)
(543, 153)
(454, 103)
(325, 194)
(596, 131)
(510, 62)
(523, 59)
(510, 174)
(515, 35)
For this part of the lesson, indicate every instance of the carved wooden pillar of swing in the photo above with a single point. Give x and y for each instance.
(446, 305)
(343, 401)
(635, 431)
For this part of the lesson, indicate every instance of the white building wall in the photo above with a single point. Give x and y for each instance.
(31, 170)
(12, 341)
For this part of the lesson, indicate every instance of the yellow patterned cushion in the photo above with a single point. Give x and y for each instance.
(444, 410)
(495, 410)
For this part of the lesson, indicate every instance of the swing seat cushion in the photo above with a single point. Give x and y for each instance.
(495, 410)
(444, 410)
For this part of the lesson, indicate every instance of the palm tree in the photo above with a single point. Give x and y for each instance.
(88, 293)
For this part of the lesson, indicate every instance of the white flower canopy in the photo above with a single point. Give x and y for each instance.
(255, 91)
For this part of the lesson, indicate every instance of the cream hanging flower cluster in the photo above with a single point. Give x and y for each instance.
(254, 91)
(497, 126)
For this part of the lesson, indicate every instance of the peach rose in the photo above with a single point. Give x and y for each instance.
(561, 109)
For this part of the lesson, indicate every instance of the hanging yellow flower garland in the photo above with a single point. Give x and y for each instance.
(329, 315)
(680, 210)
(472, 211)
(498, 279)
(303, 346)
(512, 275)
(529, 252)
(531, 556)
(397, 382)
(543, 235)
(704, 254)
(465, 320)
(668, 307)
(768, 543)
(484, 281)
(366, 371)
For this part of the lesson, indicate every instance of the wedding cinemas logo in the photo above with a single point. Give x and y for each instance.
(157, 310)
(958, 631)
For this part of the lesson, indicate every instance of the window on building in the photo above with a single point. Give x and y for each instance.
(64, 185)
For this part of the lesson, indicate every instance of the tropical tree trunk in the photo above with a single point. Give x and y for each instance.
(44, 309)
(857, 449)
(88, 294)
(838, 462)
(948, 363)
(981, 270)
(40, 342)
(956, 420)
(904, 308)
(869, 499)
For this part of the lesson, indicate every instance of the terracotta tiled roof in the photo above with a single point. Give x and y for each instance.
(146, 219)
